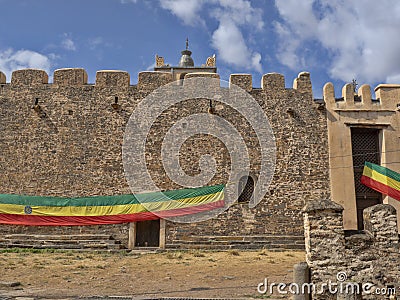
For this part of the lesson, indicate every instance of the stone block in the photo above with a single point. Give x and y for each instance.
(303, 83)
(273, 81)
(29, 77)
(243, 81)
(348, 94)
(70, 76)
(388, 95)
(2, 78)
(365, 93)
(151, 80)
(112, 78)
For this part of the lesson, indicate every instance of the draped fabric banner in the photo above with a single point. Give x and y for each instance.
(382, 180)
(57, 211)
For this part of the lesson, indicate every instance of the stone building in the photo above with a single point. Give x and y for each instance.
(64, 139)
(360, 129)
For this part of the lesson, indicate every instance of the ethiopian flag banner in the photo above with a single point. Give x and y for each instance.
(381, 179)
(57, 211)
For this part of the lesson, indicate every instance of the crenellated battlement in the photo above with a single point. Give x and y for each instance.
(151, 80)
(303, 82)
(273, 81)
(69, 76)
(387, 97)
(147, 80)
(107, 78)
(29, 77)
(2, 78)
(244, 81)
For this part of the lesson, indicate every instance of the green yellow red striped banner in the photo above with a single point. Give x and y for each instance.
(381, 179)
(38, 210)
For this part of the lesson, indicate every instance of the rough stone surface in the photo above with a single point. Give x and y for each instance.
(369, 257)
(243, 81)
(301, 276)
(149, 81)
(107, 78)
(29, 77)
(319, 205)
(70, 77)
(72, 147)
(2, 78)
(273, 81)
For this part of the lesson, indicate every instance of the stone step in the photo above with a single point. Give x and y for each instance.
(233, 242)
(58, 236)
(64, 242)
(244, 237)
(58, 241)
(276, 247)
(60, 246)
(277, 242)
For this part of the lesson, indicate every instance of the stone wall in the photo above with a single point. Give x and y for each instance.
(371, 257)
(64, 139)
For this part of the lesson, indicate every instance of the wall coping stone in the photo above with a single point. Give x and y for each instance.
(318, 205)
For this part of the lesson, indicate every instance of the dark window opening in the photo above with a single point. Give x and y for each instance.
(246, 187)
(365, 147)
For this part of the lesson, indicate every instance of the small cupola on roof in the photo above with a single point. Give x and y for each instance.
(186, 65)
(186, 59)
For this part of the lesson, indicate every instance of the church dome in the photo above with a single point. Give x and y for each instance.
(186, 59)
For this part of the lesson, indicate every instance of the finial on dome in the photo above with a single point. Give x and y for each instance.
(186, 59)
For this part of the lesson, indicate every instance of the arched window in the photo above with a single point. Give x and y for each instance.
(182, 76)
(246, 185)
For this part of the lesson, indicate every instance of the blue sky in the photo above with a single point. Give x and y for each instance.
(334, 40)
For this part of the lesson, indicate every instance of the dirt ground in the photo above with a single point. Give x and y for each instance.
(61, 275)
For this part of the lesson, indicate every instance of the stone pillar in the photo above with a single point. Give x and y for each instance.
(132, 235)
(324, 241)
(301, 276)
(381, 221)
(162, 234)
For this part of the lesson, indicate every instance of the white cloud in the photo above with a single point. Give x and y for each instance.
(393, 79)
(11, 60)
(186, 10)
(228, 39)
(361, 39)
(231, 46)
(96, 42)
(67, 43)
(151, 67)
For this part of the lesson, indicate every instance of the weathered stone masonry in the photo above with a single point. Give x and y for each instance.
(369, 257)
(64, 139)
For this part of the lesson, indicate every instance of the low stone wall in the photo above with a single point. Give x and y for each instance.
(369, 260)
